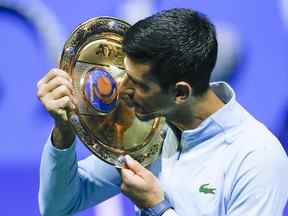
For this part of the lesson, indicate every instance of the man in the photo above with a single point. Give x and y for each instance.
(216, 158)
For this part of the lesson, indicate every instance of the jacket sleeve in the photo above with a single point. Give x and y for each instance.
(170, 212)
(68, 186)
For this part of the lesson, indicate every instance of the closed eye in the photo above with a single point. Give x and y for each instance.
(137, 83)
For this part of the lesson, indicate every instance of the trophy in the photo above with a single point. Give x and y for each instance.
(93, 57)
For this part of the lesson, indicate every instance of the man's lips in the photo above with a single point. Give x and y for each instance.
(130, 103)
(127, 100)
(139, 110)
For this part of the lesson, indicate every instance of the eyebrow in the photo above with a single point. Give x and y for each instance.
(134, 79)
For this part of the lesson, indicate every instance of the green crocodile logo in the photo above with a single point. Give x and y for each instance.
(206, 190)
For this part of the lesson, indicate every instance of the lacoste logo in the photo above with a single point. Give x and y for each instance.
(206, 189)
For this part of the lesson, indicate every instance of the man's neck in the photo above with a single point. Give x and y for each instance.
(190, 115)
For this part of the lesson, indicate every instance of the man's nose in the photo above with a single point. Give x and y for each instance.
(124, 81)
(125, 86)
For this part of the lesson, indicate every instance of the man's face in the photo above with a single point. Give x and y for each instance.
(144, 93)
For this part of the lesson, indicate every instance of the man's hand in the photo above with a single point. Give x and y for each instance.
(140, 185)
(55, 91)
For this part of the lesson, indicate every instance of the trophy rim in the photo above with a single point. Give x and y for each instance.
(146, 152)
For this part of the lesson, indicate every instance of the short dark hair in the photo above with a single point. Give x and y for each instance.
(179, 44)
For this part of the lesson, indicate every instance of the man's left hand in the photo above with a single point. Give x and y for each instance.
(140, 185)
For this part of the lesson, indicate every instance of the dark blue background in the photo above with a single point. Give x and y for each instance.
(260, 84)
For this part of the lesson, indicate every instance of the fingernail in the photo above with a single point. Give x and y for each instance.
(128, 158)
(122, 160)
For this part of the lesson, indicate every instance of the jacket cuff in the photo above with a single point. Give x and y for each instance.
(158, 209)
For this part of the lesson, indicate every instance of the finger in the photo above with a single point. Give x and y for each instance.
(54, 73)
(61, 91)
(131, 179)
(135, 166)
(57, 81)
(64, 103)
(44, 88)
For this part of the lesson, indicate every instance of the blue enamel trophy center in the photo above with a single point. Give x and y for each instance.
(101, 90)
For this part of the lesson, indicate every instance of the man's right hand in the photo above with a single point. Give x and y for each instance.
(55, 91)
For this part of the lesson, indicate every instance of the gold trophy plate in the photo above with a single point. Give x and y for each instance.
(93, 57)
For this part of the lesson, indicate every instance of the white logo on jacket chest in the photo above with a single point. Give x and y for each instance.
(196, 190)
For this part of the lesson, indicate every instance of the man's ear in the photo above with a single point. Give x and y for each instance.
(183, 92)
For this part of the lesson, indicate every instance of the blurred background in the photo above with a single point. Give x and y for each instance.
(252, 58)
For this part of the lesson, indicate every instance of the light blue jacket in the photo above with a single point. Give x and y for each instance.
(230, 165)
